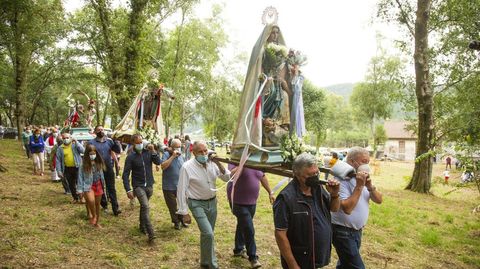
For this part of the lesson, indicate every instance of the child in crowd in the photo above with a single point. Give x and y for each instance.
(91, 181)
(447, 175)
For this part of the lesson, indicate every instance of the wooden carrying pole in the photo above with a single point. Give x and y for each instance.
(281, 171)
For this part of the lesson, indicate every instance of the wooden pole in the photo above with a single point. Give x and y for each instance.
(281, 171)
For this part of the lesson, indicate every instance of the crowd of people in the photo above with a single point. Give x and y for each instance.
(308, 218)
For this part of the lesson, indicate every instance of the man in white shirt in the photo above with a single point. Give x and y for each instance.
(197, 189)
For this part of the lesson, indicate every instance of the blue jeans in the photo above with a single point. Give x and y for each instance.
(205, 213)
(245, 232)
(347, 243)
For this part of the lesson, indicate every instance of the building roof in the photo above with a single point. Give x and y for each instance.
(397, 130)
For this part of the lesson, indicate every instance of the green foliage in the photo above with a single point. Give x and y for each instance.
(454, 67)
(219, 110)
(314, 103)
(424, 156)
(28, 30)
(374, 98)
(380, 136)
(190, 53)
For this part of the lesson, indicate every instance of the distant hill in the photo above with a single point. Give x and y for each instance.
(344, 89)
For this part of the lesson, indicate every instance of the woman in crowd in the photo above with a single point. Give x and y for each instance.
(91, 181)
(37, 147)
(187, 151)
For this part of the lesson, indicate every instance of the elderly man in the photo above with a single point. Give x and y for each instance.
(196, 187)
(139, 163)
(172, 161)
(348, 222)
(68, 160)
(302, 216)
(105, 146)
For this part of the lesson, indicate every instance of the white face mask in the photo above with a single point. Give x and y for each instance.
(177, 149)
(93, 156)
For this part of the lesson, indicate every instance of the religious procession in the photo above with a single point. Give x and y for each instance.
(142, 193)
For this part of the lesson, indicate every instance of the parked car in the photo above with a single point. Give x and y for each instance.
(10, 132)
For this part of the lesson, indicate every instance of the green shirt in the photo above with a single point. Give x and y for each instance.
(26, 137)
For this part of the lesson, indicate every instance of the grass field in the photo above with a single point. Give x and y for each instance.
(40, 228)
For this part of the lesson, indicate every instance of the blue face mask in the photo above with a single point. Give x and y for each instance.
(202, 158)
(139, 147)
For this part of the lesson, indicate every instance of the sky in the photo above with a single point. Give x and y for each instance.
(337, 36)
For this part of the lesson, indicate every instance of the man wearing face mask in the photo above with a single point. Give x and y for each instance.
(68, 160)
(348, 222)
(302, 216)
(53, 163)
(105, 146)
(171, 164)
(197, 189)
(139, 163)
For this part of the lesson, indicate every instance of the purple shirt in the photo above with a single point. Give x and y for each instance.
(246, 188)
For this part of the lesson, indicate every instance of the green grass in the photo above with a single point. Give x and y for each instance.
(40, 228)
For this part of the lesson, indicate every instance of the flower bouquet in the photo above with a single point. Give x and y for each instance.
(295, 57)
(275, 55)
(291, 147)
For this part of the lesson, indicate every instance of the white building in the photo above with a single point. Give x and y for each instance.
(401, 143)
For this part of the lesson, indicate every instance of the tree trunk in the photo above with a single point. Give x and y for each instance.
(47, 111)
(174, 73)
(105, 111)
(20, 64)
(136, 23)
(97, 101)
(421, 179)
(182, 117)
(113, 62)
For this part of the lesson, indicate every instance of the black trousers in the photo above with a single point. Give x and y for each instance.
(171, 201)
(109, 175)
(71, 175)
(27, 150)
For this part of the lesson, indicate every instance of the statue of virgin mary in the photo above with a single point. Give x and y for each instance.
(264, 107)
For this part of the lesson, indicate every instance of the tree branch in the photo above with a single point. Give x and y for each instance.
(407, 21)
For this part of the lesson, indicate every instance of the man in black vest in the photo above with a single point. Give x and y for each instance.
(302, 217)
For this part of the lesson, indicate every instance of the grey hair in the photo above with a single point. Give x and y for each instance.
(302, 161)
(354, 152)
(177, 141)
(197, 143)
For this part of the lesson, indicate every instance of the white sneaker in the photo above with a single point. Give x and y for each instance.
(255, 264)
